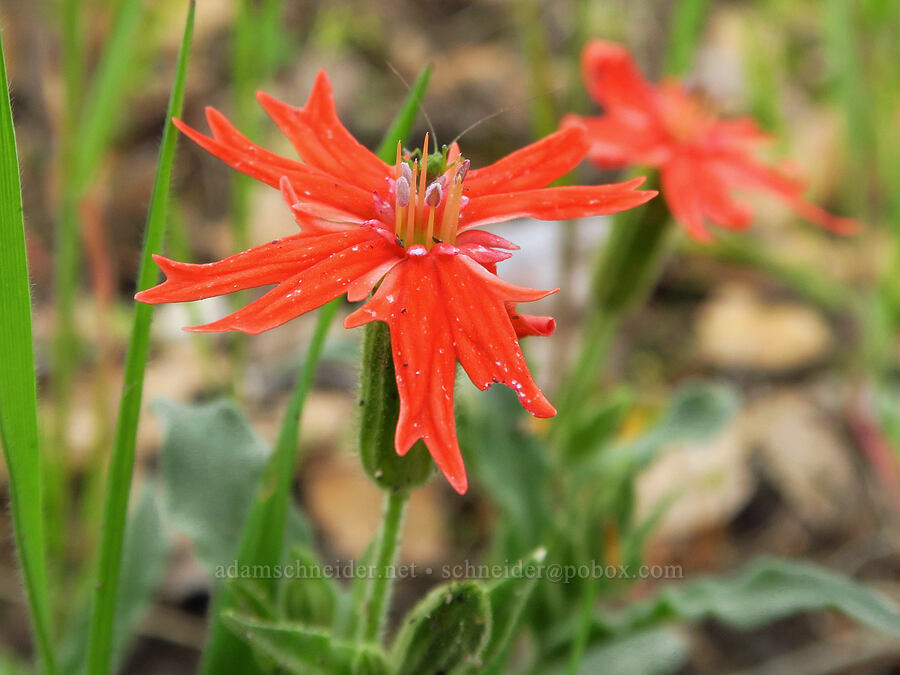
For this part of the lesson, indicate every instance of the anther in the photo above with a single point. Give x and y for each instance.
(434, 194)
(402, 189)
(406, 172)
(462, 171)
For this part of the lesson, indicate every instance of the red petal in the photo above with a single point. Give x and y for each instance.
(484, 255)
(311, 221)
(259, 266)
(534, 166)
(309, 182)
(485, 340)
(620, 140)
(679, 185)
(719, 204)
(424, 361)
(321, 140)
(485, 239)
(747, 172)
(612, 78)
(313, 286)
(442, 307)
(528, 325)
(555, 203)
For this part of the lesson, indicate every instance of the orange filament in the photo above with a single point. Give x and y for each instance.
(420, 195)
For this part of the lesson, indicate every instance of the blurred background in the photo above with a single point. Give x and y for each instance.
(801, 323)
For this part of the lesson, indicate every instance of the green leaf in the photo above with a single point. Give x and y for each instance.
(766, 590)
(593, 427)
(211, 464)
(311, 597)
(303, 650)
(262, 541)
(655, 651)
(446, 630)
(697, 413)
(143, 565)
(508, 598)
(516, 469)
(9, 665)
(121, 466)
(18, 396)
(252, 599)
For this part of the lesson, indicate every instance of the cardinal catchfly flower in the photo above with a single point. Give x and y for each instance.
(406, 230)
(702, 159)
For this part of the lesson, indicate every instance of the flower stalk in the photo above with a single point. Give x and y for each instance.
(628, 268)
(378, 593)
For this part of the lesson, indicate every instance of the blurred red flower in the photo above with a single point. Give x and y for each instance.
(702, 160)
(409, 226)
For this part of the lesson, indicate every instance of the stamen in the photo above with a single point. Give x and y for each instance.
(434, 194)
(450, 217)
(411, 209)
(406, 172)
(462, 171)
(398, 165)
(429, 232)
(433, 197)
(420, 206)
(401, 191)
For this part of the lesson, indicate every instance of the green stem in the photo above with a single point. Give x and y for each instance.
(378, 596)
(627, 270)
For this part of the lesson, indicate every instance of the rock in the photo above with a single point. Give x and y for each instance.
(710, 484)
(738, 329)
(799, 449)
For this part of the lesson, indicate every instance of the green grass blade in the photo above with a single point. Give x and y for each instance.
(115, 510)
(402, 124)
(262, 540)
(18, 393)
(88, 127)
(103, 105)
(684, 35)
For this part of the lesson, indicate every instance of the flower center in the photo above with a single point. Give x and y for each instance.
(426, 212)
(688, 116)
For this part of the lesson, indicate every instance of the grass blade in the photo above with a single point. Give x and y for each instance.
(18, 392)
(115, 508)
(403, 121)
(684, 35)
(104, 101)
(87, 128)
(263, 537)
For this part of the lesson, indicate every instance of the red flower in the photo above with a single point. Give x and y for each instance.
(410, 227)
(702, 159)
